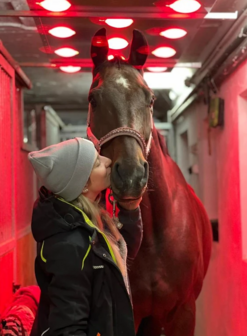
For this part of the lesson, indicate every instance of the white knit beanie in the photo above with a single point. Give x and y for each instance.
(65, 168)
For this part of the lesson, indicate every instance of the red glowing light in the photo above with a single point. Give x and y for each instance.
(164, 52)
(185, 6)
(110, 57)
(62, 32)
(119, 23)
(66, 52)
(70, 68)
(174, 33)
(157, 69)
(55, 6)
(117, 43)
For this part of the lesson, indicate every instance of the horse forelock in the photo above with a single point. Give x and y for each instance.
(117, 63)
(162, 143)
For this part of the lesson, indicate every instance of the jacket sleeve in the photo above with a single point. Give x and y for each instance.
(132, 230)
(69, 288)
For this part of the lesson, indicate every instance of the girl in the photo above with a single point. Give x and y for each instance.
(81, 261)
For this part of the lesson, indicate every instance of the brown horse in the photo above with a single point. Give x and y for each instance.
(167, 275)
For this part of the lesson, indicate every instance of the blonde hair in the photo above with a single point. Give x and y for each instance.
(98, 215)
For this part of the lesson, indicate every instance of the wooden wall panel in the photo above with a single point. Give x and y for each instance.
(7, 82)
(6, 279)
(25, 257)
(17, 247)
(23, 172)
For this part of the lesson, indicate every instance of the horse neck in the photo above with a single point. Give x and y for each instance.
(164, 179)
(161, 179)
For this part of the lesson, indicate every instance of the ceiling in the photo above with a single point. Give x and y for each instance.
(27, 40)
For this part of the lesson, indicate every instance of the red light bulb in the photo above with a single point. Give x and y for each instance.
(117, 43)
(119, 23)
(55, 6)
(66, 52)
(174, 33)
(157, 69)
(61, 32)
(164, 52)
(185, 6)
(70, 68)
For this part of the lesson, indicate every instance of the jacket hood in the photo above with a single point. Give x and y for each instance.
(51, 216)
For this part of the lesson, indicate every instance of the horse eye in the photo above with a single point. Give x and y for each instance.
(152, 101)
(92, 101)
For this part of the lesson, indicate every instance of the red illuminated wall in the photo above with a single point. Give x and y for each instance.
(222, 185)
(17, 248)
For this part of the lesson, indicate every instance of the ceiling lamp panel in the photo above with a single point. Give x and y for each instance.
(218, 15)
(174, 33)
(157, 69)
(164, 52)
(185, 6)
(70, 68)
(119, 23)
(55, 6)
(117, 43)
(66, 52)
(61, 32)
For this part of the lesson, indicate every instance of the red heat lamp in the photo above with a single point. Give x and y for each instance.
(185, 6)
(61, 32)
(157, 69)
(119, 23)
(117, 43)
(110, 57)
(66, 52)
(174, 33)
(70, 68)
(55, 5)
(164, 52)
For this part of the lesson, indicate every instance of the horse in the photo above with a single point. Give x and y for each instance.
(167, 274)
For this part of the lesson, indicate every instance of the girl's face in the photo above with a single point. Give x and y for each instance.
(100, 175)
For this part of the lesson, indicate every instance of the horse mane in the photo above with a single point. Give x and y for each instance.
(162, 143)
(117, 60)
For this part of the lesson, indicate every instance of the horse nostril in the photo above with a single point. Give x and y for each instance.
(117, 169)
(146, 169)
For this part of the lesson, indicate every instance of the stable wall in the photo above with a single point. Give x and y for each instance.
(18, 185)
(222, 187)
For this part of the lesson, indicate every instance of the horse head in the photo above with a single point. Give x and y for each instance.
(120, 112)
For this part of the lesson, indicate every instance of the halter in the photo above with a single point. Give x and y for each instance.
(119, 132)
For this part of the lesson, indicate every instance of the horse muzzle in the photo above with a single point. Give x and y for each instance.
(129, 180)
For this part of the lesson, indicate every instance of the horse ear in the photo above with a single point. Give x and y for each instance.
(139, 50)
(99, 47)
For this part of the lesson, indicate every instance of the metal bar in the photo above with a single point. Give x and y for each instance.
(87, 63)
(234, 60)
(226, 41)
(105, 12)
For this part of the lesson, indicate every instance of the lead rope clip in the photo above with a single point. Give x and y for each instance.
(114, 217)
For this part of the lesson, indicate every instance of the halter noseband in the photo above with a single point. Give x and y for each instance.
(119, 132)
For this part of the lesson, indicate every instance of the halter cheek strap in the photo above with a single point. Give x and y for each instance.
(119, 132)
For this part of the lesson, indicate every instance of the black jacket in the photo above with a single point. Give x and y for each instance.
(82, 289)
